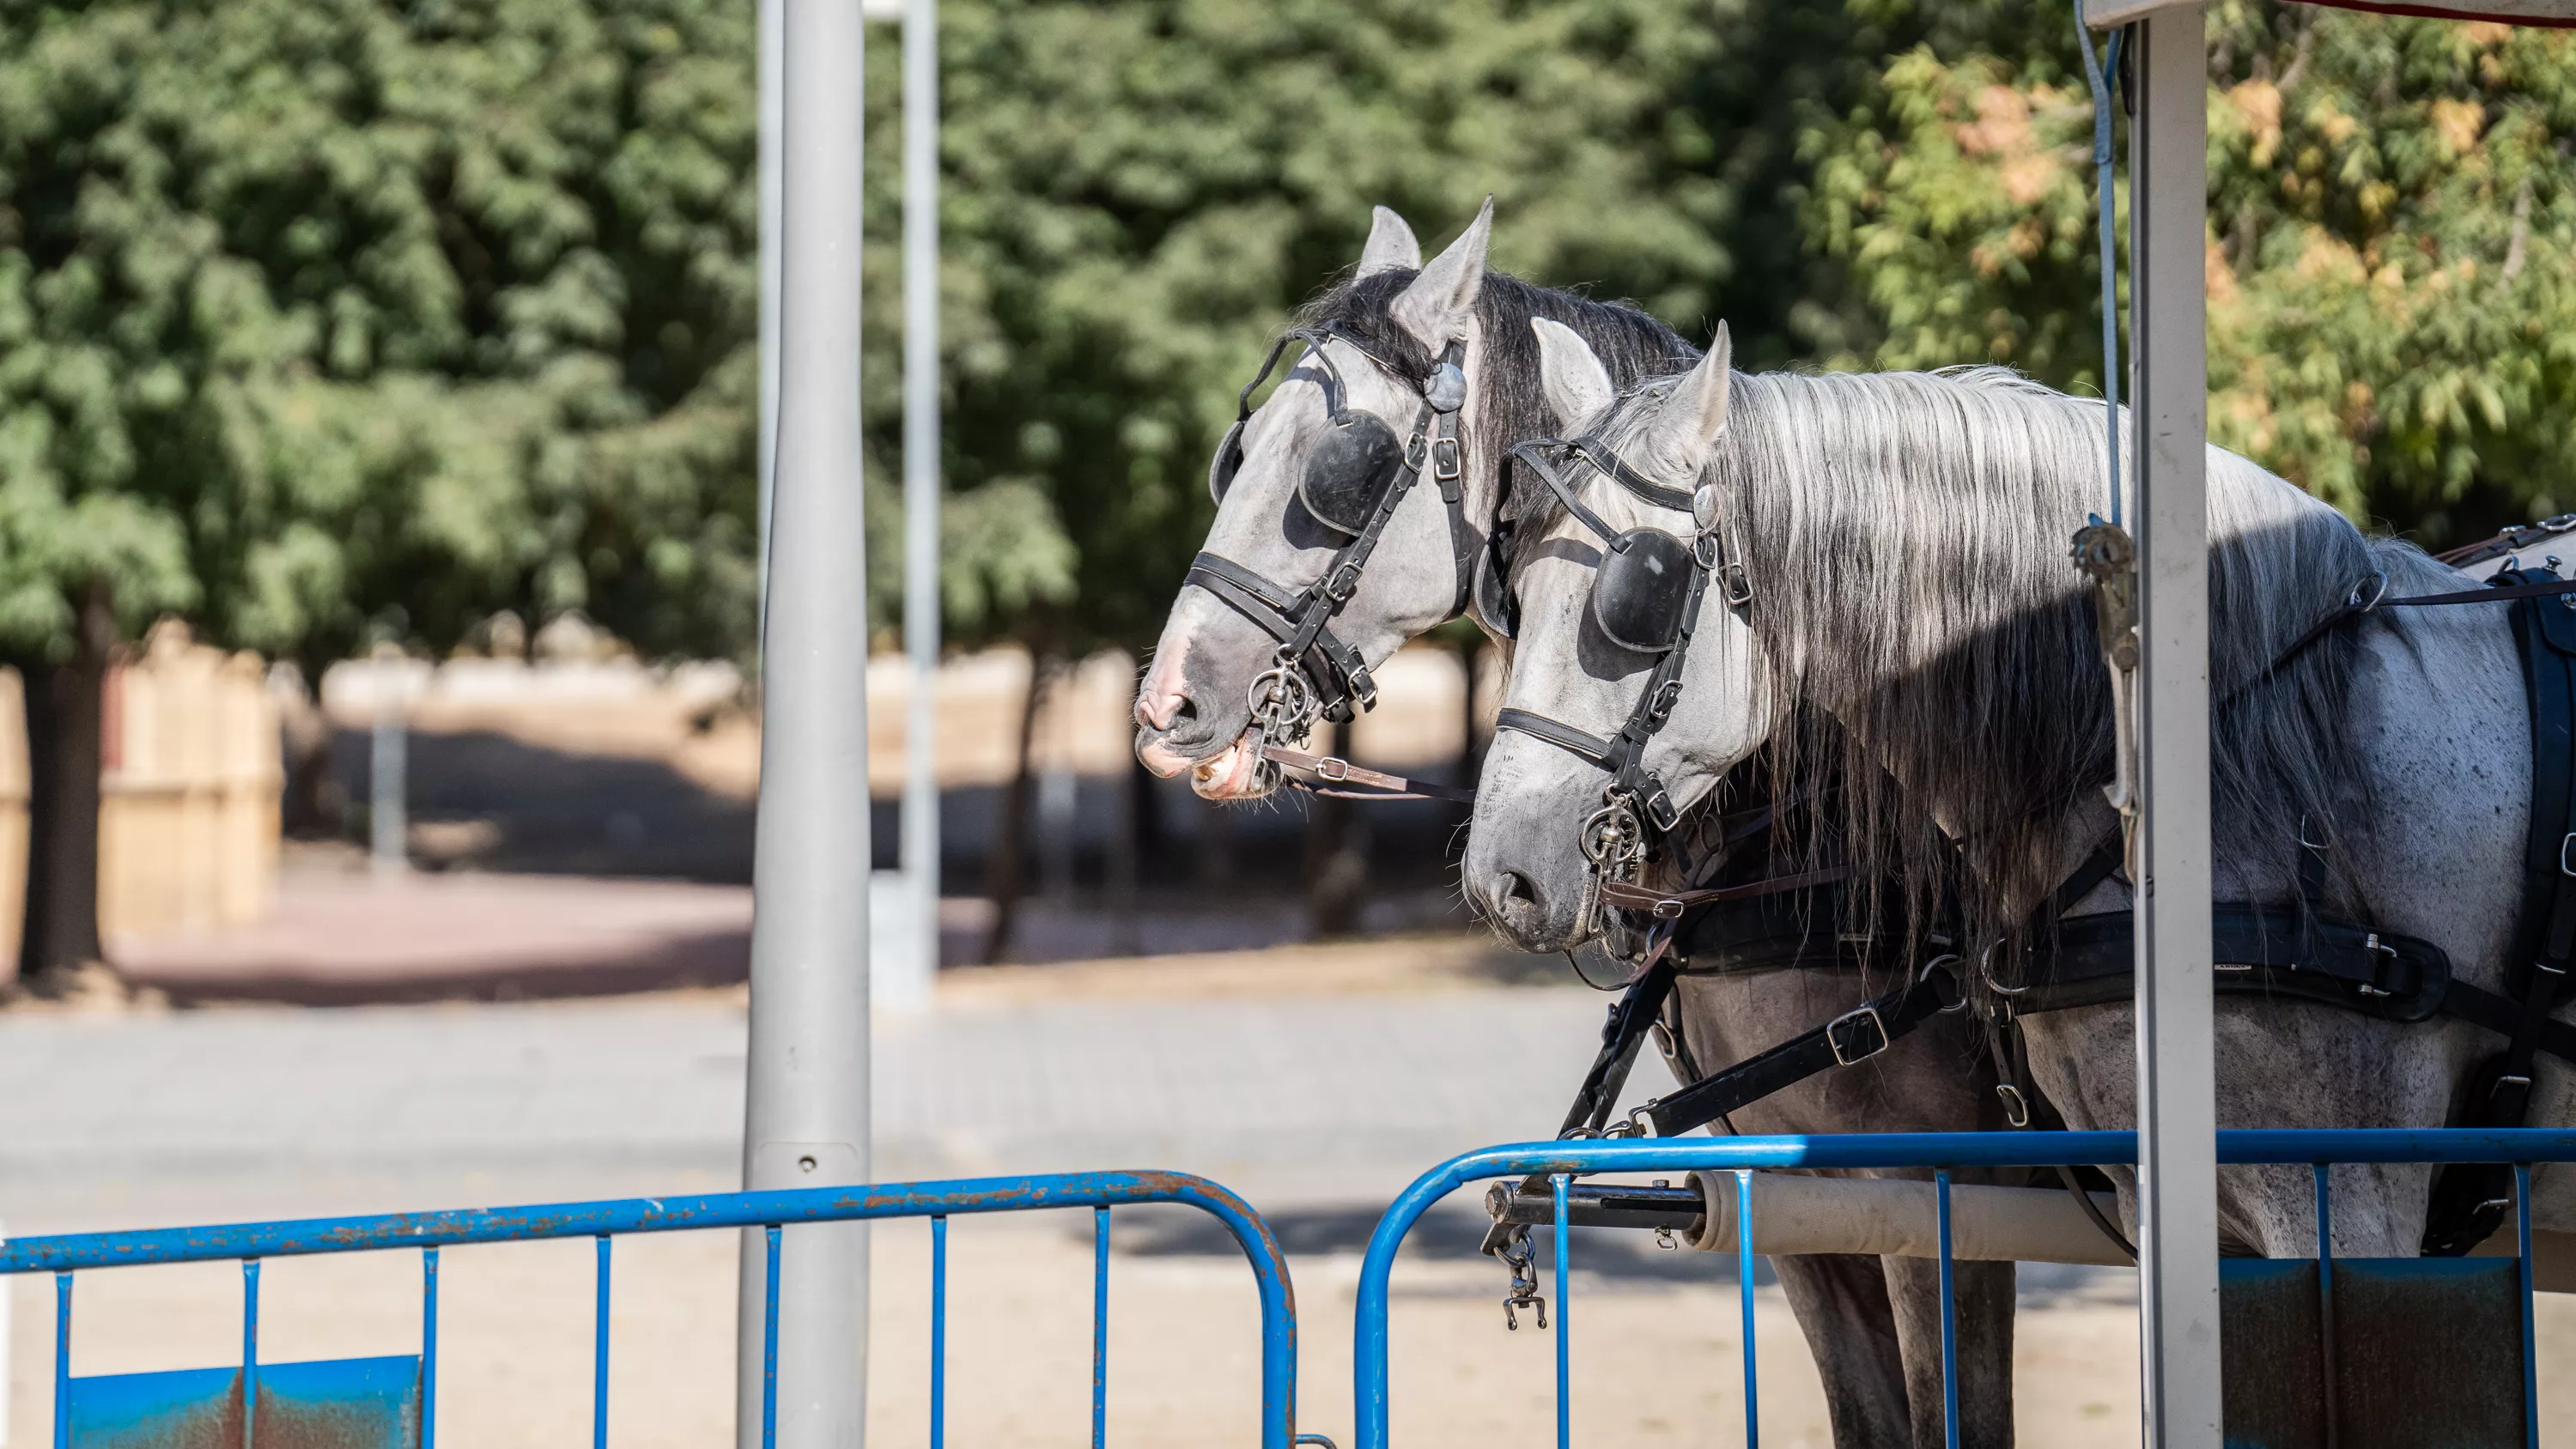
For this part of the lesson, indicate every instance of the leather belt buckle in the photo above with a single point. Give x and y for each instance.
(1444, 460)
(1332, 768)
(1667, 909)
(1852, 1044)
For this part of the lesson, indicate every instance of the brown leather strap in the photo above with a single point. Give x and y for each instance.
(1666, 905)
(1329, 773)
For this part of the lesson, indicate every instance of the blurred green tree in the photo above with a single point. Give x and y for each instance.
(2392, 222)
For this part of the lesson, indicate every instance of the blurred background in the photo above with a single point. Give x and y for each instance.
(378, 524)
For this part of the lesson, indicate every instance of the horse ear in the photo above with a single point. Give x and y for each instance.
(1436, 308)
(1390, 245)
(1699, 403)
(1576, 384)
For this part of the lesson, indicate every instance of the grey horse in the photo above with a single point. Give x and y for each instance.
(1912, 618)
(1873, 1327)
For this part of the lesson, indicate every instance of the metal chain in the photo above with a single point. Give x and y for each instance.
(1521, 1258)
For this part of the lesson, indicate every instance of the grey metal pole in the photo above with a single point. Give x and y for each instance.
(807, 1100)
(921, 460)
(2177, 1116)
(388, 752)
(772, 69)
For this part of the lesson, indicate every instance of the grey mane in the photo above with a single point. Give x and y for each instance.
(1510, 401)
(1907, 539)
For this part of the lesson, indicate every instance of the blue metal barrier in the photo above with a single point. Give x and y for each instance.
(1559, 1162)
(398, 1394)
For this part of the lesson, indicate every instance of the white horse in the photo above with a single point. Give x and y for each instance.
(1913, 618)
(1874, 1327)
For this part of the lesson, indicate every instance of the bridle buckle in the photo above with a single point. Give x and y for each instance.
(1444, 460)
(1341, 583)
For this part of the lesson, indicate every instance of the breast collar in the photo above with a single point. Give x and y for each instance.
(1314, 674)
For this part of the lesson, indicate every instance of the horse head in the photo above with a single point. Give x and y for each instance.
(1633, 684)
(1291, 484)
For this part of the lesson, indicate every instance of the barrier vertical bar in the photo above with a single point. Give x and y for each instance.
(1744, 1281)
(1561, 1248)
(250, 1351)
(2178, 1326)
(938, 1331)
(1099, 1327)
(1949, 1320)
(2530, 1352)
(428, 1348)
(599, 1356)
(63, 1360)
(769, 1348)
(2325, 1300)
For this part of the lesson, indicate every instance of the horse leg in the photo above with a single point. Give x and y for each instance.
(1841, 1304)
(1984, 1297)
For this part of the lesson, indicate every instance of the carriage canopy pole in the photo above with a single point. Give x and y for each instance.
(806, 1103)
(2177, 1120)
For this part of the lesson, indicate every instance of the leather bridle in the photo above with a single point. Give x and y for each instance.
(1315, 674)
(1615, 838)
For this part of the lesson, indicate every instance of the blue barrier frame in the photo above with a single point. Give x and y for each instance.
(1561, 1161)
(65, 1254)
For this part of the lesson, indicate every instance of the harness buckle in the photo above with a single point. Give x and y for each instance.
(1734, 584)
(1333, 768)
(1341, 583)
(1839, 1031)
(1661, 810)
(1666, 909)
(1659, 706)
(1444, 460)
(1363, 689)
(2371, 942)
(2567, 854)
(1947, 964)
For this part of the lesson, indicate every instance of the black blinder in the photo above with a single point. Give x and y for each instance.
(1642, 587)
(1348, 474)
(1497, 607)
(1227, 462)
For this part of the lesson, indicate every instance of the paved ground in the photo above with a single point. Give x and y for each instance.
(1315, 1080)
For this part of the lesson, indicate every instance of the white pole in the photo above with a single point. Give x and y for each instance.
(806, 1099)
(909, 983)
(2177, 1117)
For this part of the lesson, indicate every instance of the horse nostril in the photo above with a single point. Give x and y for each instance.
(1516, 890)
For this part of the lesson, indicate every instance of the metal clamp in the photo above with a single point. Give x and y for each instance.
(2016, 1106)
(1947, 964)
(1857, 1052)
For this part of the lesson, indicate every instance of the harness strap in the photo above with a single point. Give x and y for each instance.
(1324, 656)
(2512, 540)
(2469, 1202)
(1667, 905)
(1337, 776)
(1847, 1040)
(1610, 465)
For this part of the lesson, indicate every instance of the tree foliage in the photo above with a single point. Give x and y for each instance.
(2392, 211)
